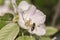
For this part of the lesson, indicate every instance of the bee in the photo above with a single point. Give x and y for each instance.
(33, 27)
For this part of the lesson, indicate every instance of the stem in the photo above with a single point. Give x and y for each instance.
(31, 35)
(56, 13)
(14, 5)
(22, 34)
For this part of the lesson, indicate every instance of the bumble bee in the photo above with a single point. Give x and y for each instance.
(33, 27)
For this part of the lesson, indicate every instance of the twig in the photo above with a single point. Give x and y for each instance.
(56, 13)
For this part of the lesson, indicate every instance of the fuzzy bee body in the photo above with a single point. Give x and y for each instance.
(33, 27)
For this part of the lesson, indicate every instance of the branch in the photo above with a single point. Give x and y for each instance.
(56, 13)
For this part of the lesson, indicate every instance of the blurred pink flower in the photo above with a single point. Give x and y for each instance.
(5, 8)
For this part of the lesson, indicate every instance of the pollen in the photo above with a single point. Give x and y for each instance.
(15, 19)
(27, 23)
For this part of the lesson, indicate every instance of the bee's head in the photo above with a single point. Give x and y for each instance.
(33, 27)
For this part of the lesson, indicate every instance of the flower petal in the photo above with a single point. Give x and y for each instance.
(34, 15)
(29, 12)
(21, 21)
(24, 5)
(38, 30)
(38, 17)
(5, 8)
(32, 10)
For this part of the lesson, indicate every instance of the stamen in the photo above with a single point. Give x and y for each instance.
(15, 19)
(27, 23)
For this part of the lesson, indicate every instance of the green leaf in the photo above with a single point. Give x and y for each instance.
(11, 6)
(44, 38)
(50, 31)
(18, 1)
(9, 32)
(7, 17)
(1, 2)
(2, 23)
(25, 38)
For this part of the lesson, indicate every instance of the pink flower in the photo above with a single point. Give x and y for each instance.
(31, 19)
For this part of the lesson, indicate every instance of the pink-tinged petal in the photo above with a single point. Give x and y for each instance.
(5, 8)
(31, 10)
(24, 5)
(42, 16)
(38, 18)
(38, 30)
(22, 24)
(21, 21)
(41, 13)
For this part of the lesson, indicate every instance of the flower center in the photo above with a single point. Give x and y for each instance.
(27, 23)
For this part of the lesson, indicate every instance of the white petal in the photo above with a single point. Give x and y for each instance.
(22, 24)
(38, 30)
(24, 5)
(30, 12)
(38, 18)
(5, 8)
(41, 13)
(21, 21)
